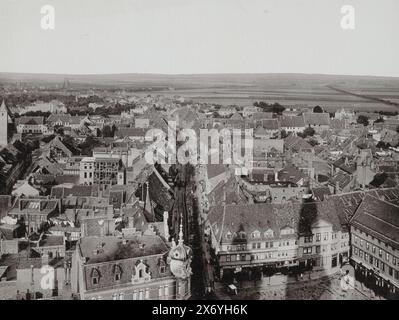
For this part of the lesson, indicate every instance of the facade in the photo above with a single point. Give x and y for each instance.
(102, 171)
(293, 124)
(254, 238)
(136, 268)
(375, 244)
(35, 211)
(31, 125)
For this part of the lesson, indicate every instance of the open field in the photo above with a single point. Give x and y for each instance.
(242, 89)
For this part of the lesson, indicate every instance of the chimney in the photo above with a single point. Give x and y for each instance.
(45, 259)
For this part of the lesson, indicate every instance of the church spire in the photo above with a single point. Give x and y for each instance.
(148, 206)
(181, 240)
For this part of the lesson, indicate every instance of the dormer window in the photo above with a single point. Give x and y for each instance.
(256, 234)
(162, 266)
(117, 272)
(228, 235)
(140, 272)
(95, 276)
(269, 233)
(286, 231)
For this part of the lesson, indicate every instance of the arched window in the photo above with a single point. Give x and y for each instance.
(161, 266)
(140, 272)
(95, 276)
(117, 271)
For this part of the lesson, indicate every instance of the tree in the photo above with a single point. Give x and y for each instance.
(107, 131)
(88, 145)
(313, 142)
(284, 134)
(58, 129)
(382, 145)
(318, 109)
(268, 107)
(363, 120)
(308, 132)
(379, 179)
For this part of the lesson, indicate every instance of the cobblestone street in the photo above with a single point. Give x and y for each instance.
(327, 288)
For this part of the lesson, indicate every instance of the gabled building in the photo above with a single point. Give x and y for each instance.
(135, 268)
(27, 124)
(260, 238)
(375, 244)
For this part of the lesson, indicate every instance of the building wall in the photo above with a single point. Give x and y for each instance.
(8, 246)
(287, 251)
(374, 254)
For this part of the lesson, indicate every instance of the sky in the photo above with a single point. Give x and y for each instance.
(200, 36)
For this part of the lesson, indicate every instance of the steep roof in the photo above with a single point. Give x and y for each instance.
(317, 119)
(248, 218)
(292, 121)
(378, 218)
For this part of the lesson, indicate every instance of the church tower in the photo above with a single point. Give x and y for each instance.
(4, 117)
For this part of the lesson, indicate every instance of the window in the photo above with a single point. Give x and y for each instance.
(162, 270)
(325, 236)
(307, 250)
(374, 249)
(269, 233)
(318, 249)
(115, 296)
(390, 271)
(387, 256)
(95, 276)
(255, 234)
(394, 260)
(356, 251)
(258, 245)
(355, 239)
(361, 242)
(318, 236)
(308, 239)
(367, 245)
(228, 258)
(117, 272)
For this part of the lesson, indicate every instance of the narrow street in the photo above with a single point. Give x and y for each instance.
(187, 207)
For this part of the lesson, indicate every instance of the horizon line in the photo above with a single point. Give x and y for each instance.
(198, 74)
